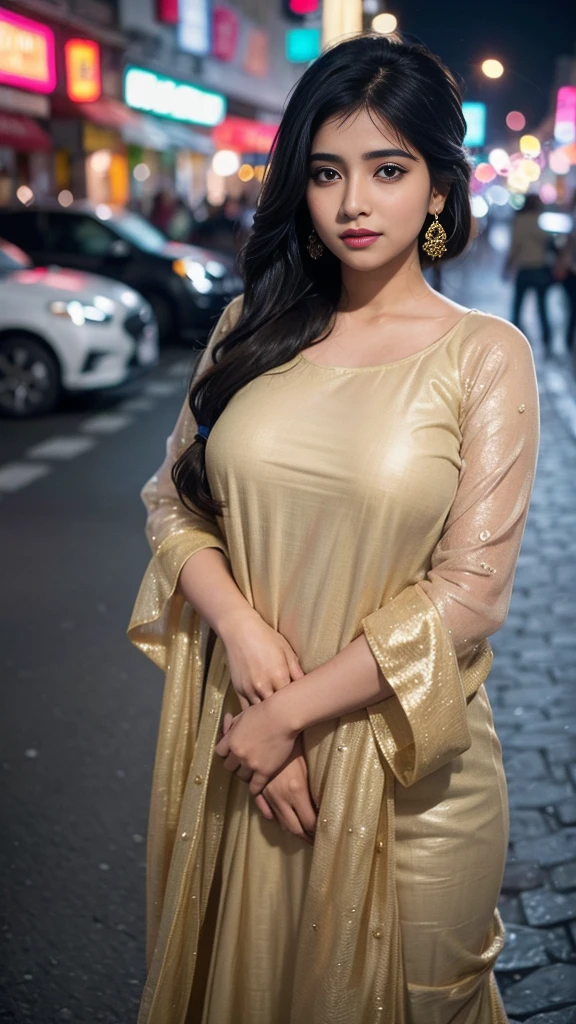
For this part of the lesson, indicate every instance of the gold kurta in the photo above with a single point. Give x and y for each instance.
(386, 499)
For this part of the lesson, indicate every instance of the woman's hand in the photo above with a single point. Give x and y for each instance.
(260, 660)
(287, 797)
(256, 744)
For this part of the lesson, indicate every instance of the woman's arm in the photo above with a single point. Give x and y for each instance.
(473, 565)
(430, 641)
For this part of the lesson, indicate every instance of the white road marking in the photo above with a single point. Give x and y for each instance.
(61, 448)
(106, 423)
(15, 475)
(161, 388)
(136, 405)
(182, 369)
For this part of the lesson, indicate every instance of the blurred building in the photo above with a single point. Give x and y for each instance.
(115, 100)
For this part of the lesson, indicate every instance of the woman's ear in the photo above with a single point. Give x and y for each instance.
(437, 201)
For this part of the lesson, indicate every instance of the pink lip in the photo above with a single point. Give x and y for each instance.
(359, 241)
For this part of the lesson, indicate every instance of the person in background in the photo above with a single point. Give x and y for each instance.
(565, 272)
(528, 261)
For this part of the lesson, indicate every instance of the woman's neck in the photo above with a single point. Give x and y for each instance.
(386, 290)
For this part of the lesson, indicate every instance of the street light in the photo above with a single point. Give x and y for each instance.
(492, 68)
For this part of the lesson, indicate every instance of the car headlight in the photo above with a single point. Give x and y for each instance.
(79, 312)
(195, 272)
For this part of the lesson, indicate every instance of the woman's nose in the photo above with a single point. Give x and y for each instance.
(355, 199)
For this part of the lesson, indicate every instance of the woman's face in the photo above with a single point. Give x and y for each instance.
(360, 177)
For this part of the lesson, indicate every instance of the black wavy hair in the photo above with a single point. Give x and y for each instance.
(290, 300)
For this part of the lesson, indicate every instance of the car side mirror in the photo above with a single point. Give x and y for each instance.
(119, 248)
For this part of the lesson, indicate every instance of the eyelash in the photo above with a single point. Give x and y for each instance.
(316, 174)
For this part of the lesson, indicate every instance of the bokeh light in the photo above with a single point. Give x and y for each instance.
(246, 172)
(559, 162)
(385, 24)
(515, 121)
(497, 194)
(492, 68)
(479, 207)
(141, 172)
(531, 170)
(517, 201)
(548, 193)
(499, 160)
(24, 194)
(485, 173)
(225, 162)
(530, 145)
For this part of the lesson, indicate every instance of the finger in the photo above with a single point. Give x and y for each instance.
(228, 719)
(292, 822)
(306, 814)
(257, 783)
(295, 667)
(222, 748)
(243, 773)
(232, 763)
(264, 807)
(244, 702)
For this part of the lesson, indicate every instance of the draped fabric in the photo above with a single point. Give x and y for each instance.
(389, 500)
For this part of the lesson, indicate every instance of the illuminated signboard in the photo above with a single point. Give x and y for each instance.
(83, 82)
(565, 120)
(179, 101)
(302, 44)
(475, 117)
(26, 53)
(194, 24)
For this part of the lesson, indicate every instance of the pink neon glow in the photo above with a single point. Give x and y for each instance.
(47, 81)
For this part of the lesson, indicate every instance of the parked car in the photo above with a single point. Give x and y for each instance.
(187, 286)
(64, 330)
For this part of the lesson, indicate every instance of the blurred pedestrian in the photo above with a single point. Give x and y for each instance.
(530, 263)
(335, 530)
(565, 272)
(163, 209)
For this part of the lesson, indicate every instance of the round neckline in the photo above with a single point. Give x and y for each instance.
(396, 362)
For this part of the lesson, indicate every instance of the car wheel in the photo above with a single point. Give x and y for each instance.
(165, 316)
(29, 377)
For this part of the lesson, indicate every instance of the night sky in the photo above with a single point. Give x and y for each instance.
(526, 37)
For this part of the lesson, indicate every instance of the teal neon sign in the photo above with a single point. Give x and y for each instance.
(166, 97)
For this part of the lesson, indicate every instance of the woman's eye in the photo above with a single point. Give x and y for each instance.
(392, 171)
(324, 170)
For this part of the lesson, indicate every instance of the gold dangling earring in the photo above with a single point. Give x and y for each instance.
(435, 244)
(315, 246)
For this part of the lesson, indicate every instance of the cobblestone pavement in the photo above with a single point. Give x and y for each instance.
(533, 695)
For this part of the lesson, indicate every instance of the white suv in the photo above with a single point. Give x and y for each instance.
(66, 330)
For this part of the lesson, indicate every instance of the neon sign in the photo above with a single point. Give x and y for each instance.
(26, 53)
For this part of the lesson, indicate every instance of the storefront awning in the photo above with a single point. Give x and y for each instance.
(159, 134)
(23, 133)
(108, 112)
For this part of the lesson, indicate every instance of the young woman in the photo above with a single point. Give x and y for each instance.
(335, 532)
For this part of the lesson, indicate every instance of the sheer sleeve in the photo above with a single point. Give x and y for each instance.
(173, 531)
(430, 641)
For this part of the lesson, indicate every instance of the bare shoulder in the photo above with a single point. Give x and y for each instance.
(234, 310)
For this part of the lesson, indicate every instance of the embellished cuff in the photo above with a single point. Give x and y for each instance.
(424, 725)
(157, 602)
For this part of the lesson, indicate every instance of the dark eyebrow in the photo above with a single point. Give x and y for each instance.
(374, 154)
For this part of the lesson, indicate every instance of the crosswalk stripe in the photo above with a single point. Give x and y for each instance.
(15, 475)
(61, 448)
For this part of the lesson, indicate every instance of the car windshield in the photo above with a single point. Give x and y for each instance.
(137, 230)
(12, 258)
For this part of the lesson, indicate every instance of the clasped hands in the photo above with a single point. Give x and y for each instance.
(259, 744)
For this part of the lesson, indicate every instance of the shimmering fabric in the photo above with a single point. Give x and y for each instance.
(385, 499)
